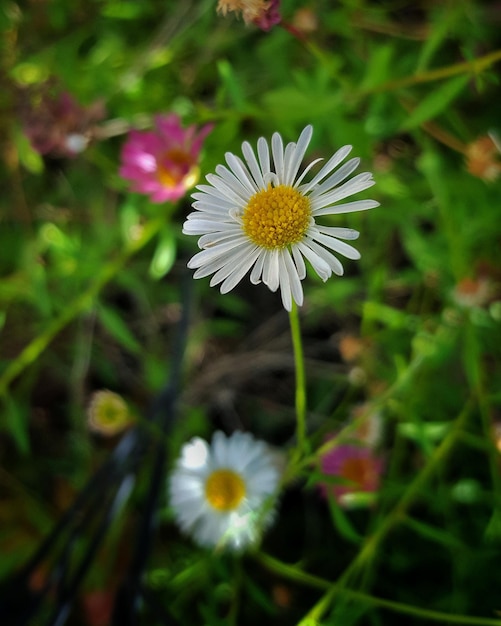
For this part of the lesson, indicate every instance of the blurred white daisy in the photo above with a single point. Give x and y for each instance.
(221, 494)
(262, 218)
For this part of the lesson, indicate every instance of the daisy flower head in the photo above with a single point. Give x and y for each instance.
(163, 163)
(108, 414)
(221, 492)
(262, 217)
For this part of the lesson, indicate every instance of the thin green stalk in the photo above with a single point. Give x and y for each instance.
(292, 572)
(83, 301)
(398, 513)
(300, 380)
(474, 67)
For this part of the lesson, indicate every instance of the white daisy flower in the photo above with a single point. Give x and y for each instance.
(221, 493)
(263, 219)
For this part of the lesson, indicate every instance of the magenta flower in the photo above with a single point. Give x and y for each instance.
(358, 467)
(163, 163)
(271, 17)
(263, 13)
(56, 123)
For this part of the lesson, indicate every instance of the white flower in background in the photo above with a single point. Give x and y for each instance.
(262, 218)
(221, 494)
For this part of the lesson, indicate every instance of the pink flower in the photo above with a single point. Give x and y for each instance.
(55, 123)
(163, 163)
(358, 467)
(271, 17)
(262, 13)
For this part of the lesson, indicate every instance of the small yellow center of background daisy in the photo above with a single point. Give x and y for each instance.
(224, 489)
(276, 217)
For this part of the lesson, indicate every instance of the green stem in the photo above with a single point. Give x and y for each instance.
(83, 301)
(300, 380)
(294, 573)
(374, 541)
(474, 67)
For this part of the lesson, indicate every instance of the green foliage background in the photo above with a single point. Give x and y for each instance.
(84, 305)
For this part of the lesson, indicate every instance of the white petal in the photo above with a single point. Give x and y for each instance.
(277, 148)
(337, 231)
(338, 246)
(241, 172)
(239, 195)
(239, 271)
(257, 270)
(270, 275)
(346, 207)
(299, 261)
(319, 265)
(201, 226)
(325, 255)
(338, 176)
(356, 184)
(303, 174)
(253, 165)
(285, 286)
(332, 163)
(209, 190)
(241, 186)
(294, 279)
(212, 239)
(211, 260)
(264, 155)
(210, 254)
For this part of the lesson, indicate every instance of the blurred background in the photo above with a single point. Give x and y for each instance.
(90, 295)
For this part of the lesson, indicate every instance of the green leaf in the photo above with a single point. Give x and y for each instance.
(434, 534)
(379, 67)
(342, 522)
(165, 254)
(29, 158)
(17, 424)
(231, 84)
(435, 102)
(115, 325)
(388, 316)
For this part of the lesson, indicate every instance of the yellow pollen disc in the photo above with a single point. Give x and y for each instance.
(177, 166)
(224, 489)
(277, 217)
(358, 471)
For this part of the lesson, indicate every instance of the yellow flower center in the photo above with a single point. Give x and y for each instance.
(176, 167)
(360, 472)
(224, 489)
(108, 412)
(277, 217)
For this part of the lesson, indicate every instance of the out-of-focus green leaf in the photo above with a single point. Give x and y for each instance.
(115, 325)
(378, 69)
(29, 158)
(291, 104)
(424, 433)
(231, 83)
(435, 102)
(434, 534)
(17, 423)
(342, 521)
(389, 316)
(123, 10)
(164, 255)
